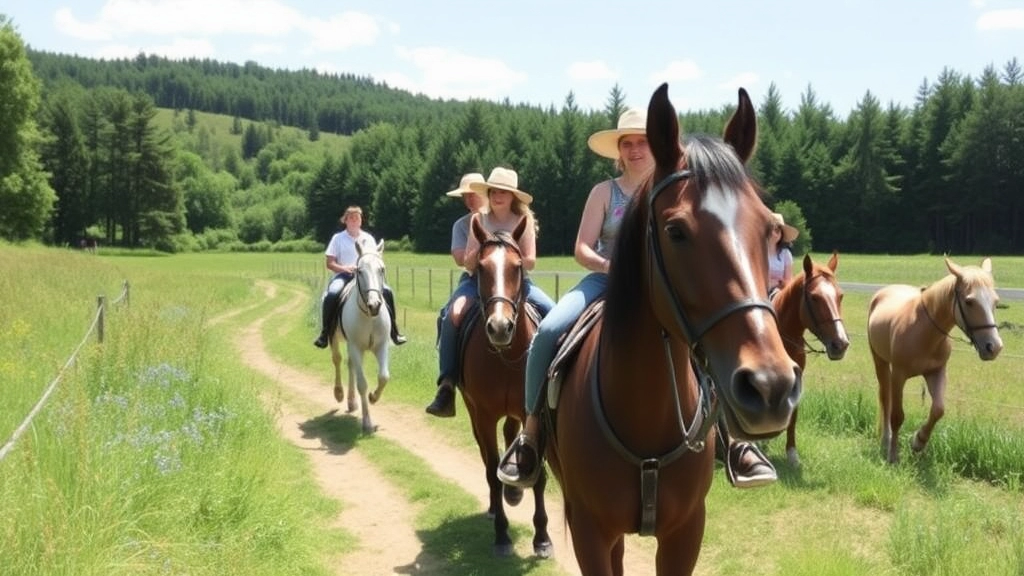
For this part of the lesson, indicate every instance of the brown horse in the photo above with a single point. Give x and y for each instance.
(493, 371)
(632, 442)
(812, 300)
(908, 331)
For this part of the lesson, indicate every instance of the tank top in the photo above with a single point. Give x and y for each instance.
(612, 219)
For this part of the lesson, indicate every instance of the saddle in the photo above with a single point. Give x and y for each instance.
(568, 346)
(346, 292)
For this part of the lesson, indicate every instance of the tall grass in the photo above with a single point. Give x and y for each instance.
(156, 454)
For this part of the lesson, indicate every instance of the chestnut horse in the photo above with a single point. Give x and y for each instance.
(493, 371)
(811, 301)
(632, 442)
(365, 325)
(909, 335)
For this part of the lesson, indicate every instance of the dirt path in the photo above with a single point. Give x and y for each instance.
(389, 544)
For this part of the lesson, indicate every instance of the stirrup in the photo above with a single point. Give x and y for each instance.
(508, 472)
(759, 474)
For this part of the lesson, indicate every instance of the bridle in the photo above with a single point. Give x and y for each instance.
(816, 323)
(504, 241)
(365, 291)
(966, 327)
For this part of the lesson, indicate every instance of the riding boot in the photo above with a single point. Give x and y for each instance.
(443, 405)
(396, 337)
(328, 313)
(745, 465)
(521, 465)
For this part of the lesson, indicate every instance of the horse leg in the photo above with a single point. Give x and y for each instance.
(897, 416)
(678, 550)
(595, 550)
(883, 374)
(339, 392)
(485, 430)
(791, 454)
(542, 546)
(937, 390)
(383, 373)
(357, 379)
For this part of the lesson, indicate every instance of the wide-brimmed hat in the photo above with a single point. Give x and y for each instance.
(464, 185)
(789, 233)
(606, 142)
(502, 179)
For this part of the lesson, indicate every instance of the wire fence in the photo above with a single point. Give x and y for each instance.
(97, 327)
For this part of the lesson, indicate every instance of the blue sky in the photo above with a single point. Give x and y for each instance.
(537, 51)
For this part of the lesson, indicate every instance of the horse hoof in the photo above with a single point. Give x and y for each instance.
(351, 407)
(374, 397)
(503, 550)
(793, 458)
(513, 495)
(339, 395)
(543, 550)
(916, 444)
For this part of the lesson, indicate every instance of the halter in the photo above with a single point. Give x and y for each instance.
(693, 334)
(503, 241)
(364, 292)
(967, 329)
(816, 324)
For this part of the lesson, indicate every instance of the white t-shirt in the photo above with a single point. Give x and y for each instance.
(343, 246)
(777, 262)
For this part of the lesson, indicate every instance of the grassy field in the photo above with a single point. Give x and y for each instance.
(156, 455)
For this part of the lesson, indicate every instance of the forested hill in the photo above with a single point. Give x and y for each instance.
(337, 103)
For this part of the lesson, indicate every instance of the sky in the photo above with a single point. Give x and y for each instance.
(539, 51)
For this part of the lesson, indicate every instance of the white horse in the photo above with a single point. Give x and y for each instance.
(365, 324)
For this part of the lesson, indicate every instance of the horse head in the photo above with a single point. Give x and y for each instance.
(704, 241)
(500, 280)
(822, 309)
(974, 307)
(370, 276)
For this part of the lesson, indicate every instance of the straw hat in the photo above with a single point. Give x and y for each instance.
(502, 179)
(789, 233)
(464, 185)
(606, 142)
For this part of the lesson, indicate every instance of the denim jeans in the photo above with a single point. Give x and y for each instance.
(561, 317)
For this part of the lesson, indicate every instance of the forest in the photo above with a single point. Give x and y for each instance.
(84, 153)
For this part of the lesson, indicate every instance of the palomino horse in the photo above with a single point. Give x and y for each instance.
(812, 300)
(365, 324)
(493, 371)
(633, 442)
(908, 331)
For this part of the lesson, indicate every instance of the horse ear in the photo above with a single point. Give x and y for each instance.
(833, 261)
(953, 268)
(986, 265)
(359, 248)
(477, 228)
(663, 129)
(520, 228)
(808, 266)
(380, 246)
(741, 131)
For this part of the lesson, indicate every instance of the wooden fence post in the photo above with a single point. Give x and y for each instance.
(100, 301)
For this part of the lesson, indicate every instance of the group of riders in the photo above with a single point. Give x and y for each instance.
(499, 205)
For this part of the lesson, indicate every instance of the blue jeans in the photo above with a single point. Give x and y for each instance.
(448, 340)
(561, 317)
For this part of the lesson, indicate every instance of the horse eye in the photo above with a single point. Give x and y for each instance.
(675, 232)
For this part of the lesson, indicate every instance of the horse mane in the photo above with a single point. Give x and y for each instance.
(712, 162)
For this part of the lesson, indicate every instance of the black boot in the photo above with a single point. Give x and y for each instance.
(327, 321)
(396, 337)
(443, 405)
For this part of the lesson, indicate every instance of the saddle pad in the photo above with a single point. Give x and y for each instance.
(568, 345)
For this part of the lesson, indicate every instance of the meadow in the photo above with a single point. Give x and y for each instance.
(157, 453)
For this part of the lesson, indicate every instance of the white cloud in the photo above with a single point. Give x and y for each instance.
(593, 70)
(260, 48)
(66, 23)
(1010, 19)
(342, 31)
(742, 80)
(444, 73)
(678, 70)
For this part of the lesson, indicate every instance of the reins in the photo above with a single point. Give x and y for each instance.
(958, 307)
